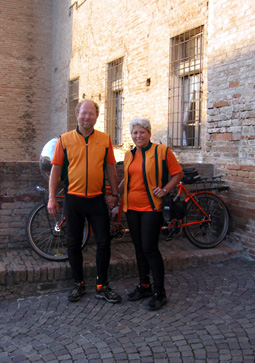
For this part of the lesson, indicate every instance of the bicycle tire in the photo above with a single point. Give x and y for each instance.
(42, 236)
(208, 234)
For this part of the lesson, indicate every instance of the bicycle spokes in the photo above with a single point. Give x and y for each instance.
(206, 229)
(48, 235)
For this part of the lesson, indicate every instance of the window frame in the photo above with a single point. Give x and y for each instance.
(114, 100)
(73, 100)
(186, 89)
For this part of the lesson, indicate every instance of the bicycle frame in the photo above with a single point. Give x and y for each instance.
(181, 190)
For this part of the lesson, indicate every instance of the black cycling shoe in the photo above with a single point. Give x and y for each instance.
(157, 301)
(106, 293)
(139, 293)
(77, 292)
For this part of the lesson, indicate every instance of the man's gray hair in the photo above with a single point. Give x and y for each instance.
(143, 122)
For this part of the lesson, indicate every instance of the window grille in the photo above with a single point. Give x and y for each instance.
(73, 99)
(185, 93)
(114, 100)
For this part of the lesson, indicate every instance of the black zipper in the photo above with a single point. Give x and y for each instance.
(87, 162)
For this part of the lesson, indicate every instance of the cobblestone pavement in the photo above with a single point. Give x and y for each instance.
(210, 317)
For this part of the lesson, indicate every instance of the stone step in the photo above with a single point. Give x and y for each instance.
(24, 273)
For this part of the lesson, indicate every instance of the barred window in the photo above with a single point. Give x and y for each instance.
(73, 99)
(185, 93)
(114, 100)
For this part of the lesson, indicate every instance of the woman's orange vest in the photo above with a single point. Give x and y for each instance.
(155, 172)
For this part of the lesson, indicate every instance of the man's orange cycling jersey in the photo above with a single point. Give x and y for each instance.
(83, 161)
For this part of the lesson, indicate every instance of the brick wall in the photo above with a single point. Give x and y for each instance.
(25, 78)
(231, 109)
(17, 196)
(142, 38)
(48, 43)
(61, 54)
(102, 34)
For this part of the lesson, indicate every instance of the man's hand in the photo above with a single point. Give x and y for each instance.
(53, 206)
(112, 177)
(53, 184)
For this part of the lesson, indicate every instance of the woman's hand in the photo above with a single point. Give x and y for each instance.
(175, 179)
(159, 192)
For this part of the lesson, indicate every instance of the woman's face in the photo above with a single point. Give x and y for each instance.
(140, 137)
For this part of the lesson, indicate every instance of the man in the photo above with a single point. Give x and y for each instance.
(84, 155)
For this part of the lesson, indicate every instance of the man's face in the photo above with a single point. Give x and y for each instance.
(87, 116)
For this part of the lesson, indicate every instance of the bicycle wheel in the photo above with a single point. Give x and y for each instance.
(207, 234)
(47, 235)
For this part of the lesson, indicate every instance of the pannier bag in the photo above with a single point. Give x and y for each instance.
(173, 209)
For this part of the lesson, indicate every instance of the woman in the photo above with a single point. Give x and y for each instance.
(146, 181)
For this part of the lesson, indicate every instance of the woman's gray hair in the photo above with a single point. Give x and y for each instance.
(143, 122)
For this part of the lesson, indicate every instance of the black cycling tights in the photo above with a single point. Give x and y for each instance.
(145, 228)
(95, 210)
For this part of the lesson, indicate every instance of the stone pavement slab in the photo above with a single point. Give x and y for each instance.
(209, 317)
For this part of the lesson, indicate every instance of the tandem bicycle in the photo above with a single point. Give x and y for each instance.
(193, 207)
